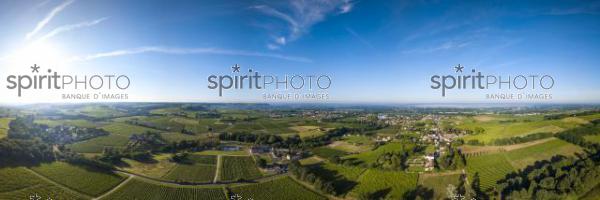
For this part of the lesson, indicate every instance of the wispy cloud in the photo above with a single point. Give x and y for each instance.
(360, 38)
(47, 19)
(448, 45)
(185, 51)
(300, 16)
(70, 27)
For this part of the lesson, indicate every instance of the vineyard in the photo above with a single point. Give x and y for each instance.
(201, 170)
(138, 189)
(18, 183)
(385, 184)
(85, 180)
(282, 188)
(239, 167)
(520, 158)
(491, 168)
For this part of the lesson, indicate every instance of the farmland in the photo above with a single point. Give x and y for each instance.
(4, 126)
(385, 184)
(190, 154)
(200, 169)
(139, 189)
(281, 188)
(491, 168)
(19, 183)
(85, 180)
(238, 167)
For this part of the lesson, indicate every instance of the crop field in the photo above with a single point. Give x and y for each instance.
(96, 145)
(85, 180)
(344, 177)
(522, 157)
(238, 167)
(439, 183)
(385, 184)
(126, 129)
(201, 170)
(281, 188)
(506, 127)
(139, 189)
(99, 111)
(18, 183)
(157, 169)
(491, 168)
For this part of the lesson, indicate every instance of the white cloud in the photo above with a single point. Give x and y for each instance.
(184, 51)
(300, 16)
(47, 19)
(70, 27)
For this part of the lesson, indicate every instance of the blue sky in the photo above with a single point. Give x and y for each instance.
(375, 51)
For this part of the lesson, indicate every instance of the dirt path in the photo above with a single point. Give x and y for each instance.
(115, 188)
(218, 171)
(59, 185)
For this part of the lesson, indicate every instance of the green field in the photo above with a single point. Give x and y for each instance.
(522, 157)
(369, 157)
(592, 138)
(85, 180)
(201, 169)
(281, 188)
(491, 168)
(385, 184)
(119, 136)
(19, 183)
(139, 189)
(238, 167)
(70, 122)
(504, 126)
(344, 178)
(4, 126)
(157, 169)
(439, 183)
(326, 152)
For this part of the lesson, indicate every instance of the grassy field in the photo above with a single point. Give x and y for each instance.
(4, 126)
(238, 167)
(491, 168)
(139, 189)
(592, 138)
(439, 183)
(18, 184)
(385, 184)
(85, 180)
(349, 147)
(229, 153)
(201, 170)
(281, 188)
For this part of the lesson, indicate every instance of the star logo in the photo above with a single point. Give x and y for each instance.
(35, 68)
(459, 68)
(236, 68)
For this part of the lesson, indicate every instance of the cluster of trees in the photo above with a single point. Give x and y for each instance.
(558, 178)
(576, 135)
(396, 160)
(308, 175)
(262, 139)
(193, 145)
(521, 139)
(451, 160)
(145, 142)
(24, 150)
